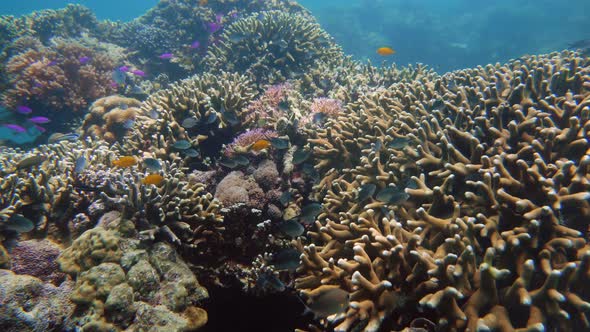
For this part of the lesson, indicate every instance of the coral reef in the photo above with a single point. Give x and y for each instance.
(58, 78)
(110, 118)
(121, 285)
(213, 102)
(244, 141)
(387, 197)
(37, 258)
(272, 46)
(40, 185)
(28, 304)
(486, 230)
(178, 211)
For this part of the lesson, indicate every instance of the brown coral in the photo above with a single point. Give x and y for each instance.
(56, 79)
(215, 102)
(492, 235)
(110, 118)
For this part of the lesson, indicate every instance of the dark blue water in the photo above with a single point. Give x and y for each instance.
(446, 35)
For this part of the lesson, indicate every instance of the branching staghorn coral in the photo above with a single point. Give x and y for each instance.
(489, 229)
(214, 102)
(41, 185)
(178, 211)
(272, 46)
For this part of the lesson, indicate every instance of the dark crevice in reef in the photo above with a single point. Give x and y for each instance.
(229, 309)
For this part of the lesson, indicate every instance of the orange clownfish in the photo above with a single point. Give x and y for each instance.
(155, 179)
(260, 145)
(126, 161)
(385, 51)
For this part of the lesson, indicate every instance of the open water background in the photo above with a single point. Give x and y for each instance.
(446, 35)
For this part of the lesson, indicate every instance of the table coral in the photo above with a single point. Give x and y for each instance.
(493, 162)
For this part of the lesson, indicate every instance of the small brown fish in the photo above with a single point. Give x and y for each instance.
(30, 161)
(155, 179)
(330, 301)
(203, 2)
(126, 161)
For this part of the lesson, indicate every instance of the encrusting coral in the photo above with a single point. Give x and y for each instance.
(122, 285)
(479, 221)
(28, 304)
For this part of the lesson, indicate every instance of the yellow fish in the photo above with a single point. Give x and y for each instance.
(155, 179)
(385, 51)
(126, 161)
(260, 145)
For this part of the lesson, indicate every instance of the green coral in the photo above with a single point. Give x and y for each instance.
(92, 248)
(124, 286)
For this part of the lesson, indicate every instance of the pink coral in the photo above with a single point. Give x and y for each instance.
(267, 105)
(327, 107)
(247, 138)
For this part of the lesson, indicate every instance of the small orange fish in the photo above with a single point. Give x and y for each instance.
(155, 179)
(385, 51)
(203, 2)
(260, 145)
(126, 161)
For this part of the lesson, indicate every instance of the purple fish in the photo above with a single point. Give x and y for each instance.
(52, 63)
(37, 84)
(213, 27)
(218, 18)
(196, 44)
(24, 110)
(84, 60)
(114, 85)
(15, 128)
(124, 69)
(40, 129)
(138, 72)
(166, 56)
(39, 119)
